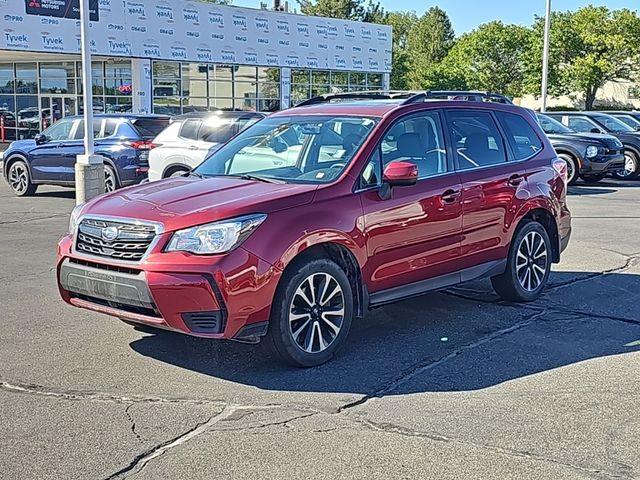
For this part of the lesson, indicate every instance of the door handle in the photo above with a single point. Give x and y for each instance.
(193, 147)
(450, 196)
(515, 180)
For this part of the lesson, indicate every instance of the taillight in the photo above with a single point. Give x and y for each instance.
(560, 166)
(142, 144)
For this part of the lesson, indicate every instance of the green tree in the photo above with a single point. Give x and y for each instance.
(589, 47)
(492, 57)
(347, 9)
(401, 23)
(429, 40)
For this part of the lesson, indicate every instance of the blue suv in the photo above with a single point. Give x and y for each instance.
(49, 159)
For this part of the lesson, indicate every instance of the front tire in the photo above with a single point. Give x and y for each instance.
(311, 314)
(631, 167)
(19, 179)
(528, 265)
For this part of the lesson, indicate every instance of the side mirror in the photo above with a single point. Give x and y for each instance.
(40, 138)
(401, 174)
(595, 130)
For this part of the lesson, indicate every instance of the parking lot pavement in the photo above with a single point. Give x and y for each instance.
(451, 385)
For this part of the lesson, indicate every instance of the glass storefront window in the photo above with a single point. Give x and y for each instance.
(219, 88)
(6, 78)
(245, 74)
(374, 80)
(268, 75)
(339, 78)
(166, 70)
(222, 72)
(117, 69)
(166, 88)
(26, 78)
(300, 76)
(215, 103)
(118, 104)
(194, 104)
(194, 71)
(269, 90)
(28, 116)
(245, 89)
(167, 105)
(357, 79)
(57, 85)
(58, 70)
(269, 105)
(320, 78)
(196, 88)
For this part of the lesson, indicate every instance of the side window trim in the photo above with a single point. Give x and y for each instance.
(449, 133)
(358, 187)
(507, 134)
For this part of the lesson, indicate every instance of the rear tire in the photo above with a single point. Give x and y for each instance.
(528, 265)
(631, 167)
(311, 314)
(19, 179)
(573, 173)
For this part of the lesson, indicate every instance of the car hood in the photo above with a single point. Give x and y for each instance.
(630, 137)
(184, 202)
(597, 138)
(22, 145)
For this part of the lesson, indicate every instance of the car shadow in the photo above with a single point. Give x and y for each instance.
(483, 342)
(579, 190)
(56, 194)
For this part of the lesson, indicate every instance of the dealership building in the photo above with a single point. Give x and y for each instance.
(170, 57)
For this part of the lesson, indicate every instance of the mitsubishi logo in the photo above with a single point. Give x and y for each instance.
(109, 234)
(35, 4)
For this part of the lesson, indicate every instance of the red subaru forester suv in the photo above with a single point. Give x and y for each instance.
(316, 214)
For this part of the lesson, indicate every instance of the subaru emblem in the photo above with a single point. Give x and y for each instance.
(109, 233)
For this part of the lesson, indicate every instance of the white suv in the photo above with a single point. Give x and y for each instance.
(190, 138)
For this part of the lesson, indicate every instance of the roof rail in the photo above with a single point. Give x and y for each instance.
(468, 95)
(409, 97)
(367, 95)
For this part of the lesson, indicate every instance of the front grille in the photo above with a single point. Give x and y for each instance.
(125, 307)
(114, 239)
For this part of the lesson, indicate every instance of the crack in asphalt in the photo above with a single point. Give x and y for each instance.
(36, 219)
(98, 396)
(132, 421)
(422, 367)
(437, 437)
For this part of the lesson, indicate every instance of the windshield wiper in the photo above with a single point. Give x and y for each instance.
(247, 176)
(193, 174)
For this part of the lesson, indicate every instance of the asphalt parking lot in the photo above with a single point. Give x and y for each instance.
(447, 386)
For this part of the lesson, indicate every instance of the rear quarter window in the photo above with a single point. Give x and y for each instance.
(522, 137)
(149, 128)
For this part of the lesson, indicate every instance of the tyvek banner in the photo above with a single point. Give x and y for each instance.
(202, 32)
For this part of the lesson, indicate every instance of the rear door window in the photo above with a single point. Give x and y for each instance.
(476, 138)
(521, 136)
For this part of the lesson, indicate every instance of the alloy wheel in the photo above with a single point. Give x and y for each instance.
(532, 261)
(629, 166)
(18, 178)
(316, 313)
(109, 180)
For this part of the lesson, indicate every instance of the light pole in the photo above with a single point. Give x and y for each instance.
(89, 167)
(545, 58)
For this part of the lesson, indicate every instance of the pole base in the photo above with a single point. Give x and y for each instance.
(89, 180)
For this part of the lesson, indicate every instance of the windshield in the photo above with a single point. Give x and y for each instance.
(629, 120)
(551, 126)
(613, 124)
(293, 149)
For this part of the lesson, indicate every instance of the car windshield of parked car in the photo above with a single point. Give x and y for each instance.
(629, 120)
(613, 124)
(551, 126)
(293, 149)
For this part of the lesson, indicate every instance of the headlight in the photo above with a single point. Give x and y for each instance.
(592, 151)
(213, 238)
(73, 220)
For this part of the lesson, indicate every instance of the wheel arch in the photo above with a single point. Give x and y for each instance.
(11, 159)
(109, 161)
(174, 166)
(545, 217)
(340, 253)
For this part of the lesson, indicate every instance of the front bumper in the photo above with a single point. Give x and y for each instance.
(213, 297)
(603, 164)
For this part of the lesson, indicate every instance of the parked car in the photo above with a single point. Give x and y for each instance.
(123, 140)
(386, 200)
(187, 141)
(590, 156)
(630, 118)
(596, 122)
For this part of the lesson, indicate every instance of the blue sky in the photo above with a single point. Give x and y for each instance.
(468, 14)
